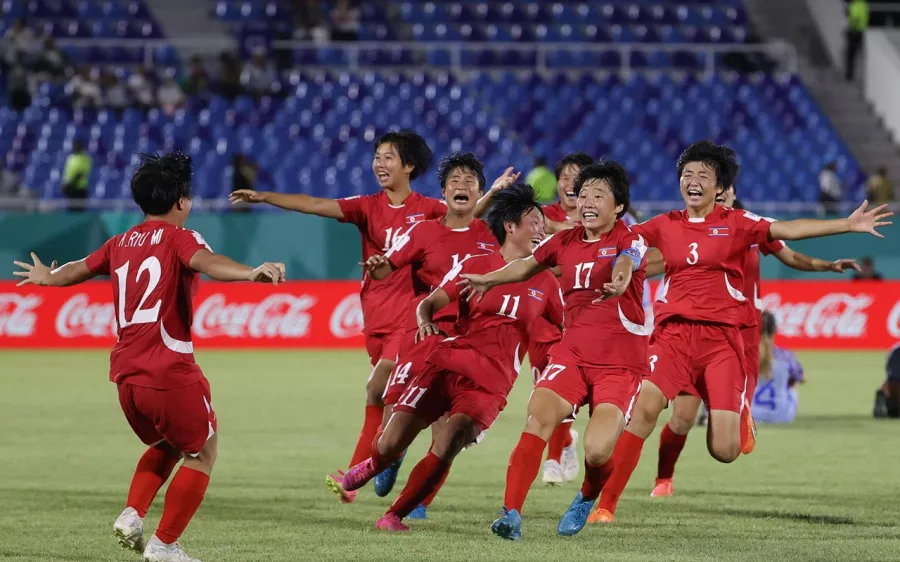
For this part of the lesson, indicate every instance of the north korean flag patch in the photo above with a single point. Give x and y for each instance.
(718, 231)
(411, 219)
(536, 294)
(486, 246)
(609, 252)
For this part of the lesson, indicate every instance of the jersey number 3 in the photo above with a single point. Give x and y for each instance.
(693, 256)
(141, 315)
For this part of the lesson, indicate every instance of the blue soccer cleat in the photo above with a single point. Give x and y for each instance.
(509, 526)
(385, 481)
(574, 519)
(420, 512)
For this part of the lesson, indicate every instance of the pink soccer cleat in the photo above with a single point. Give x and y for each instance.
(391, 522)
(333, 481)
(662, 489)
(358, 475)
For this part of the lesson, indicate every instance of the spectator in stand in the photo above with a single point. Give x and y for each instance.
(243, 177)
(141, 88)
(196, 82)
(229, 75)
(857, 23)
(169, 96)
(258, 77)
(50, 62)
(115, 94)
(308, 21)
(9, 182)
(76, 175)
(345, 21)
(879, 190)
(18, 39)
(17, 84)
(542, 179)
(867, 271)
(84, 90)
(830, 189)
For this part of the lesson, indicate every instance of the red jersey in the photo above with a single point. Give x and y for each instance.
(381, 224)
(431, 250)
(611, 332)
(705, 263)
(492, 334)
(153, 288)
(751, 272)
(544, 332)
(556, 213)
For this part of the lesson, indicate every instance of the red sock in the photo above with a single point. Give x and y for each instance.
(427, 501)
(151, 473)
(594, 479)
(183, 497)
(523, 468)
(670, 446)
(560, 439)
(369, 428)
(626, 457)
(422, 481)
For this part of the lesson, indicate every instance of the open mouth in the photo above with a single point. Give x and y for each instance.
(536, 240)
(694, 194)
(570, 194)
(588, 215)
(461, 198)
(383, 176)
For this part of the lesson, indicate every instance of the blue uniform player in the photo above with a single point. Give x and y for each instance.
(775, 400)
(887, 399)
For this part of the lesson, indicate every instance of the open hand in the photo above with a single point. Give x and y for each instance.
(473, 285)
(269, 272)
(612, 289)
(506, 179)
(34, 274)
(842, 265)
(862, 220)
(426, 330)
(247, 196)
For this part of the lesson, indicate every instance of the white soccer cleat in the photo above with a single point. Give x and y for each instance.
(129, 530)
(570, 465)
(553, 474)
(158, 551)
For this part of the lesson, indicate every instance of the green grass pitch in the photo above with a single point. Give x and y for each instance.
(824, 488)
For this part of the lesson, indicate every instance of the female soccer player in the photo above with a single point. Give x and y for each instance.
(382, 219)
(697, 338)
(602, 355)
(686, 405)
(780, 373)
(162, 391)
(429, 249)
(469, 375)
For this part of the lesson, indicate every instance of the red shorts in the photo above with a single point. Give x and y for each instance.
(579, 385)
(384, 346)
(182, 417)
(437, 392)
(410, 362)
(751, 337)
(704, 358)
(539, 357)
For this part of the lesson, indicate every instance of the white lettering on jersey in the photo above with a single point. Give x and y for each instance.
(157, 237)
(200, 240)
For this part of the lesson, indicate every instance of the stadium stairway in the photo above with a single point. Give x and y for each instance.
(190, 20)
(843, 102)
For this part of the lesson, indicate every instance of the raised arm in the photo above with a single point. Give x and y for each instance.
(437, 300)
(223, 268)
(508, 178)
(802, 262)
(860, 220)
(72, 273)
(328, 208)
(513, 272)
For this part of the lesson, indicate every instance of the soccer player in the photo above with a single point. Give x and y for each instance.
(603, 352)
(686, 405)
(775, 400)
(469, 375)
(697, 338)
(429, 250)
(383, 218)
(887, 398)
(564, 213)
(162, 391)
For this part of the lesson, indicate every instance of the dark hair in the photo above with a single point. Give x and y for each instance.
(579, 159)
(732, 171)
(768, 324)
(614, 174)
(717, 157)
(160, 181)
(510, 204)
(465, 160)
(411, 147)
(77, 145)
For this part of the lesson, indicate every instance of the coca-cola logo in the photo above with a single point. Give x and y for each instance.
(79, 317)
(280, 315)
(893, 321)
(17, 314)
(835, 315)
(347, 318)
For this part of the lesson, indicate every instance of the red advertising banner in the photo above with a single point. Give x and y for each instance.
(811, 315)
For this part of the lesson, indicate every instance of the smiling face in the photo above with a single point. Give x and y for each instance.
(726, 197)
(388, 167)
(461, 190)
(565, 185)
(597, 205)
(698, 186)
(526, 235)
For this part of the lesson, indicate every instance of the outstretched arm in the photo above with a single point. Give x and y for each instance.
(72, 273)
(513, 272)
(802, 262)
(223, 268)
(328, 208)
(553, 227)
(437, 300)
(860, 220)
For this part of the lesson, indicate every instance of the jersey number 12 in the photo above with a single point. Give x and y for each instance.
(141, 315)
